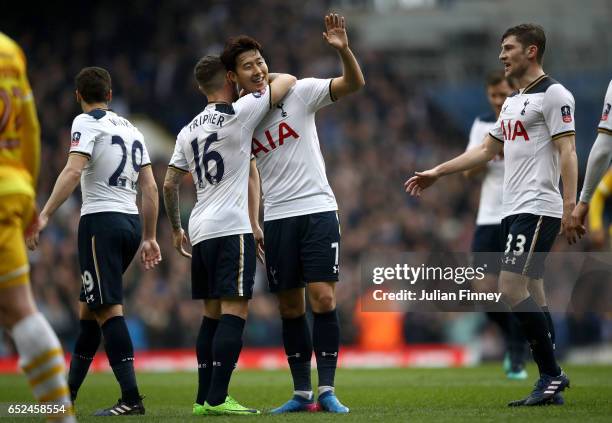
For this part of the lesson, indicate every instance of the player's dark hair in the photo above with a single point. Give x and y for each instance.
(235, 46)
(529, 35)
(497, 77)
(209, 73)
(93, 84)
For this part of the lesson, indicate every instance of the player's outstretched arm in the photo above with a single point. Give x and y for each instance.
(171, 201)
(570, 225)
(66, 182)
(474, 157)
(254, 196)
(352, 78)
(280, 85)
(150, 254)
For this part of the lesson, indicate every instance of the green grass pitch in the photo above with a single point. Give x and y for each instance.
(389, 395)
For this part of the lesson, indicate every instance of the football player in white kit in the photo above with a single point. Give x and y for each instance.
(535, 131)
(215, 147)
(599, 159)
(301, 228)
(109, 157)
(487, 241)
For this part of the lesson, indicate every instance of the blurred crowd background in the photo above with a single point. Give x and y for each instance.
(424, 63)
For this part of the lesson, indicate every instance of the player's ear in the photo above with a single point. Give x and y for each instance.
(110, 96)
(231, 75)
(532, 52)
(78, 96)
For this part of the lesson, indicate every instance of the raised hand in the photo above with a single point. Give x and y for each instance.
(420, 181)
(335, 31)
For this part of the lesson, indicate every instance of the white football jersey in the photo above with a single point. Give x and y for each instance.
(116, 152)
(605, 124)
(490, 206)
(288, 154)
(216, 149)
(530, 120)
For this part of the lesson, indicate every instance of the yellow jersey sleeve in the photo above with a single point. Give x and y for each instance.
(598, 201)
(19, 126)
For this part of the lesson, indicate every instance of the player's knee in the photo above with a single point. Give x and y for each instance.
(17, 304)
(323, 302)
(85, 313)
(510, 297)
(487, 284)
(291, 310)
(514, 293)
(104, 313)
(322, 297)
(238, 308)
(536, 290)
(291, 303)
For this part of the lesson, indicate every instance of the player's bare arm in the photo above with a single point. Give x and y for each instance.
(171, 201)
(150, 254)
(254, 197)
(475, 172)
(352, 78)
(598, 162)
(279, 87)
(571, 226)
(66, 183)
(472, 158)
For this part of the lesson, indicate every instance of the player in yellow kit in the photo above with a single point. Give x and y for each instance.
(596, 212)
(40, 353)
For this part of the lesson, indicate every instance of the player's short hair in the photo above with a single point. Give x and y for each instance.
(235, 46)
(529, 35)
(93, 84)
(497, 77)
(209, 73)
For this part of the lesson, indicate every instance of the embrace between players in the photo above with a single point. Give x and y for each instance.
(269, 133)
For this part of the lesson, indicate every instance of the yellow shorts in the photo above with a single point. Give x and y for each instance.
(16, 211)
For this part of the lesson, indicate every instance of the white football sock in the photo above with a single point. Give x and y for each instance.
(42, 359)
(304, 394)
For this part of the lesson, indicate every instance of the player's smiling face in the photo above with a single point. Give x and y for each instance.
(514, 57)
(251, 71)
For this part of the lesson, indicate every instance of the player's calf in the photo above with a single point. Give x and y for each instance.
(120, 352)
(84, 351)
